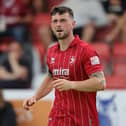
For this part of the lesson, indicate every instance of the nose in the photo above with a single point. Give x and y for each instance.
(58, 23)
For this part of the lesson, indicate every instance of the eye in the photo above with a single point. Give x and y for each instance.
(62, 20)
(54, 21)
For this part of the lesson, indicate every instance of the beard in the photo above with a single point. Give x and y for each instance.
(61, 36)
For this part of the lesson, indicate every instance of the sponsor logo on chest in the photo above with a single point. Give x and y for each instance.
(61, 72)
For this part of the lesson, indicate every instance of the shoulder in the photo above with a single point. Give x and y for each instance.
(52, 47)
(86, 50)
(9, 109)
(85, 46)
(8, 105)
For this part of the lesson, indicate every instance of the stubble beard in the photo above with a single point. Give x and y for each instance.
(64, 36)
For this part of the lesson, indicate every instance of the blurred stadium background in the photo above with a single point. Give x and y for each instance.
(26, 22)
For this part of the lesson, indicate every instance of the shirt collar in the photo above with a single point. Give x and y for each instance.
(74, 42)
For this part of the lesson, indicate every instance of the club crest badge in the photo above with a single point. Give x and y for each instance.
(72, 59)
(52, 60)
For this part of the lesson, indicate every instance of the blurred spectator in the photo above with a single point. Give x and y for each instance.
(115, 10)
(15, 68)
(7, 113)
(52, 3)
(118, 32)
(41, 29)
(89, 15)
(14, 17)
(114, 7)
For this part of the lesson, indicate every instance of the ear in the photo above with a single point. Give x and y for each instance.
(73, 24)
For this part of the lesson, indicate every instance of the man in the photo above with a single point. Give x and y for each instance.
(15, 68)
(74, 71)
(7, 112)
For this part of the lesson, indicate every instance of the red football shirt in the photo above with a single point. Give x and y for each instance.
(73, 108)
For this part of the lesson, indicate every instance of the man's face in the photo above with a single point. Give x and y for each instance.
(16, 50)
(62, 25)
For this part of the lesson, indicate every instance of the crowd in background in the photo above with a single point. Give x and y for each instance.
(7, 112)
(25, 34)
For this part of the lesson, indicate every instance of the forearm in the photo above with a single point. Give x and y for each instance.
(90, 85)
(15, 66)
(5, 75)
(20, 71)
(95, 82)
(44, 89)
(8, 76)
(119, 26)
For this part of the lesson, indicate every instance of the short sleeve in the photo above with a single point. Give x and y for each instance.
(48, 64)
(90, 60)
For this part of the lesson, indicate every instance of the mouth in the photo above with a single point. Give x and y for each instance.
(59, 30)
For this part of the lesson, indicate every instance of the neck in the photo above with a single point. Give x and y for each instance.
(64, 43)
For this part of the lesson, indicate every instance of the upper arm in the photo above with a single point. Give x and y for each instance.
(24, 70)
(100, 76)
(48, 60)
(91, 61)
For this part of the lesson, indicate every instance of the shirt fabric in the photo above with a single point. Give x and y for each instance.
(77, 63)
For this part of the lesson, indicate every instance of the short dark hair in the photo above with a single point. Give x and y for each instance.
(61, 10)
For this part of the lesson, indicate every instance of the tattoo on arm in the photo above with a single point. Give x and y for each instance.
(100, 76)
